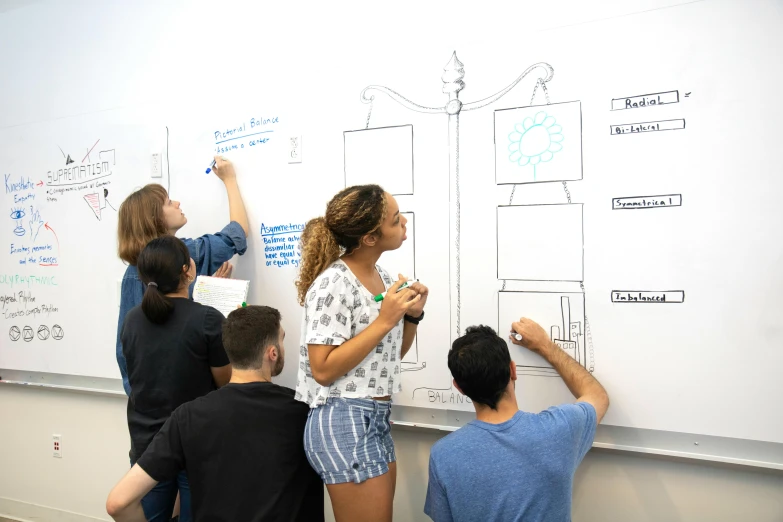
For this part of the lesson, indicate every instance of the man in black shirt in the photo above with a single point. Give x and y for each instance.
(241, 445)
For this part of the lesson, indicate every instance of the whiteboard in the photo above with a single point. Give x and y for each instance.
(660, 238)
(63, 183)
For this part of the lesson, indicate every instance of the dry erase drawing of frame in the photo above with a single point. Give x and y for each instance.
(403, 260)
(381, 156)
(553, 250)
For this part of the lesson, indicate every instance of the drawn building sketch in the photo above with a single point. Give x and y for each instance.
(562, 314)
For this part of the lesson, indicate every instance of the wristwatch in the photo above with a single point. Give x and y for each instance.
(413, 320)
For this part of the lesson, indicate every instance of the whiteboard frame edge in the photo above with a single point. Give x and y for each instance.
(608, 438)
(683, 455)
(62, 382)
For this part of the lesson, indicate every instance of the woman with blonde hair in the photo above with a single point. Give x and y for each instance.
(150, 213)
(352, 343)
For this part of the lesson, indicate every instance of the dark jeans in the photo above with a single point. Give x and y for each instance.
(158, 504)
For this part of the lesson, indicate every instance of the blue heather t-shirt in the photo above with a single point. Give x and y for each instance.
(520, 470)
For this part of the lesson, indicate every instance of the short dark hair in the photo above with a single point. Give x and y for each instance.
(246, 334)
(480, 364)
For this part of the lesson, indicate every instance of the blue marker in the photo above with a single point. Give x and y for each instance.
(211, 166)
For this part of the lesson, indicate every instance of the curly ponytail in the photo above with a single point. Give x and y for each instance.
(350, 215)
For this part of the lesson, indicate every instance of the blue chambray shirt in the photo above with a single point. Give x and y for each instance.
(208, 252)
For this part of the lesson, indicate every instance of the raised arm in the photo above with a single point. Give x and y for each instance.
(580, 382)
(224, 169)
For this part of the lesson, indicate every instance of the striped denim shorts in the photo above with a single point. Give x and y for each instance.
(349, 440)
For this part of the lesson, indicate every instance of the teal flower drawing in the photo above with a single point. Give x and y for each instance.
(535, 141)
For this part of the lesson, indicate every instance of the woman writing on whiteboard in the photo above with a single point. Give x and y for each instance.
(351, 347)
(149, 213)
(174, 352)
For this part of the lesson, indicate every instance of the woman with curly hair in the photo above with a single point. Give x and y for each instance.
(352, 343)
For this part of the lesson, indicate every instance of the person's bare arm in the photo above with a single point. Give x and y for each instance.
(224, 170)
(221, 375)
(329, 362)
(579, 381)
(124, 502)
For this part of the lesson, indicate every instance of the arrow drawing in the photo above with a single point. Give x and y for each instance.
(46, 225)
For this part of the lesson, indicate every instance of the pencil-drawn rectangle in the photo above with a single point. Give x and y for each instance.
(539, 143)
(647, 296)
(645, 100)
(540, 242)
(560, 313)
(647, 126)
(383, 156)
(403, 260)
(666, 200)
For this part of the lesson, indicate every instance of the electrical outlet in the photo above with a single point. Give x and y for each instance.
(156, 168)
(295, 149)
(57, 446)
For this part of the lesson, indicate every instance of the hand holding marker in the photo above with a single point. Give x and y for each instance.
(378, 298)
(211, 166)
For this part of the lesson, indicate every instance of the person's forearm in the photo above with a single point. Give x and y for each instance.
(236, 207)
(347, 356)
(576, 377)
(133, 513)
(408, 335)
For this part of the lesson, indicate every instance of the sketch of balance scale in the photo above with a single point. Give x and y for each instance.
(567, 333)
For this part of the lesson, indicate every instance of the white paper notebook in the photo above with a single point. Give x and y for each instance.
(223, 294)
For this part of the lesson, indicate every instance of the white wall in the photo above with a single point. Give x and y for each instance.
(608, 487)
(34, 485)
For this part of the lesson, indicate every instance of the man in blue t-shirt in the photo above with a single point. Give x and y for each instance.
(509, 465)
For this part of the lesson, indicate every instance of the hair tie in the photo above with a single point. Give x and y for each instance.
(152, 283)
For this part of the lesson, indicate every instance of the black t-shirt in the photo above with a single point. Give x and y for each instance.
(169, 364)
(242, 447)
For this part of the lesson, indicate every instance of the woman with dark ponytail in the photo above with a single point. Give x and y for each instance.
(174, 351)
(351, 348)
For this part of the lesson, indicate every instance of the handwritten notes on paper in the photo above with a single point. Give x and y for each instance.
(222, 294)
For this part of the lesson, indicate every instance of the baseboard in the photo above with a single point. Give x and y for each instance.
(26, 512)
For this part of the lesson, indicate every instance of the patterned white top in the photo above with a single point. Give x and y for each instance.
(337, 308)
